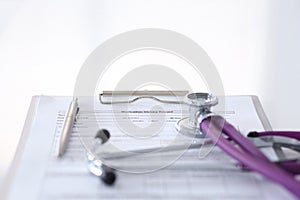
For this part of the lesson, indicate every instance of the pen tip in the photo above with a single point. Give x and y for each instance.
(59, 153)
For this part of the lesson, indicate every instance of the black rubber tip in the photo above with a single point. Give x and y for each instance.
(253, 134)
(103, 135)
(109, 178)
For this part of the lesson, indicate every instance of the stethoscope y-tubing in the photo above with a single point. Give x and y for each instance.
(248, 155)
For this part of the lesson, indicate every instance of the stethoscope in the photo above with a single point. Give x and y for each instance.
(203, 121)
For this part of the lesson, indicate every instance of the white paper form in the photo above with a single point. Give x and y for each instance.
(41, 175)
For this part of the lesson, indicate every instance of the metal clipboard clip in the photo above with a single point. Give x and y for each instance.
(137, 95)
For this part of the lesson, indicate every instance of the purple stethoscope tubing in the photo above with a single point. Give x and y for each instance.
(289, 134)
(248, 155)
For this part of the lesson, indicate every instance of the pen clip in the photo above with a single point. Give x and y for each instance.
(76, 115)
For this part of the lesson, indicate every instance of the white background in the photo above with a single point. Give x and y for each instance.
(254, 44)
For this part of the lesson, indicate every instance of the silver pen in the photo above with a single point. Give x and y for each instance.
(67, 127)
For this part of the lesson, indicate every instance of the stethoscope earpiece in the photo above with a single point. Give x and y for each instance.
(96, 166)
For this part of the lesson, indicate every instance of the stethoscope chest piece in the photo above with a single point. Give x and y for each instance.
(199, 107)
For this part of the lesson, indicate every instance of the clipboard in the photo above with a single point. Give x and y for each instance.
(38, 186)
